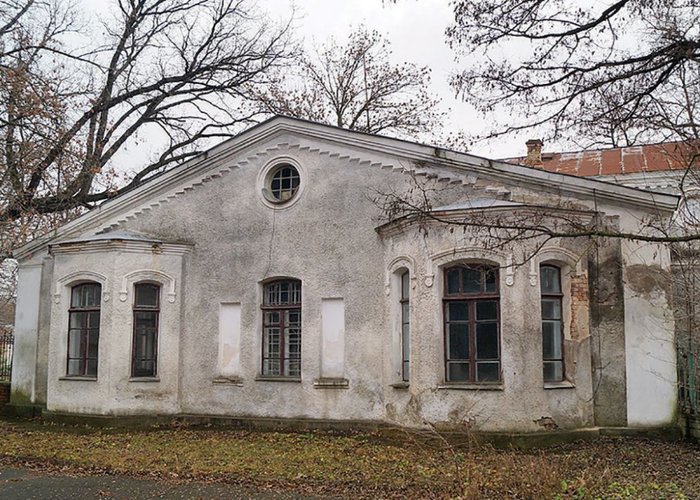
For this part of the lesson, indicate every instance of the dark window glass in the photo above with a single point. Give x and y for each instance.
(405, 326)
(452, 280)
(147, 295)
(472, 348)
(282, 328)
(84, 329)
(552, 331)
(487, 340)
(284, 183)
(145, 342)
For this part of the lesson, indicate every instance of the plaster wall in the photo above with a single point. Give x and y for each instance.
(326, 238)
(522, 401)
(24, 362)
(650, 354)
(649, 339)
(114, 391)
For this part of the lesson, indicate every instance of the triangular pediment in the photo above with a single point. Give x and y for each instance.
(281, 135)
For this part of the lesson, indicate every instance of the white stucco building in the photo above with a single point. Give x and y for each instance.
(264, 279)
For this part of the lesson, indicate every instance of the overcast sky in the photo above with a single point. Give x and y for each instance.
(416, 30)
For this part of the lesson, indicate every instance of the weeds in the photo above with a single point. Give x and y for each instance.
(365, 465)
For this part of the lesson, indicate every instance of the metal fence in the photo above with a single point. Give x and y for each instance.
(689, 381)
(6, 347)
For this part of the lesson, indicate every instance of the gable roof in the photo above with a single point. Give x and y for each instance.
(662, 157)
(425, 160)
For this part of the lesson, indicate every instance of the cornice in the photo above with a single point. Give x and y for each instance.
(123, 246)
(439, 218)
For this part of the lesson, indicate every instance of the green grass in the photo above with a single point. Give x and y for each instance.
(362, 465)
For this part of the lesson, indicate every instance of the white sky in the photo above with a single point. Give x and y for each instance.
(416, 30)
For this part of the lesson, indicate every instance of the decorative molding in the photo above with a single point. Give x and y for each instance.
(148, 275)
(123, 246)
(533, 274)
(573, 260)
(264, 174)
(402, 261)
(471, 253)
(331, 383)
(75, 277)
(510, 277)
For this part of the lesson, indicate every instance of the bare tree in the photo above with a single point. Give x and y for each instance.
(181, 68)
(356, 86)
(617, 72)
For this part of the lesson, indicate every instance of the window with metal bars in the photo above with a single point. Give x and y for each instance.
(552, 331)
(471, 311)
(281, 310)
(405, 325)
(84, 329)
(144, 358)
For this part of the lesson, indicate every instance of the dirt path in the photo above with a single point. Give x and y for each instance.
(21, 484)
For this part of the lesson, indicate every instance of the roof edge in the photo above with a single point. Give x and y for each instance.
(499, 170)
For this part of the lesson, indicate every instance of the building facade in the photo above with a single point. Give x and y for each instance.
(274, 277)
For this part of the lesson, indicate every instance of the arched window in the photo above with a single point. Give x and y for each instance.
(282, 328)
(84, 329)
(145, 344)
(405, 325)
(471, 313)
(552, 331)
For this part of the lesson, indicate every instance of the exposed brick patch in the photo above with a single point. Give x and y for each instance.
(579, 307)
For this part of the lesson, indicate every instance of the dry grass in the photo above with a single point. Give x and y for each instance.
(363, 465)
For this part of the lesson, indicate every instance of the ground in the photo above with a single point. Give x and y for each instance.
(276, 465)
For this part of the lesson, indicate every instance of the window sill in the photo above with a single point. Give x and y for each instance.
(331, 383)
(272, 378)
(472, 387)
(564, 384)
(78, 378)
(228, 381)
(144, 379)
(399, 385)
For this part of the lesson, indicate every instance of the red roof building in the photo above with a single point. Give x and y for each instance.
(651, 166)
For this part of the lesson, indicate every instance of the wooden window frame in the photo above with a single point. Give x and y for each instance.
(559, 297)
(141, 308)
(404, 304)
(84, 332)
(281, 308)
(471, 299)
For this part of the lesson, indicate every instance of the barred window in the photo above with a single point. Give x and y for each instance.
(405, 326)
(282, 328)
(471, 314)
(84, 329)
(145, 343)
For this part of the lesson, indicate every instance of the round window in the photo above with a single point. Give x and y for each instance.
(283, 183)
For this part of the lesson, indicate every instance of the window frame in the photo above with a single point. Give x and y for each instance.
(471, 299)
(293, 189)
(405, 323)
(141, 308)
(284, 370)
(558, 297)
(84, 332)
